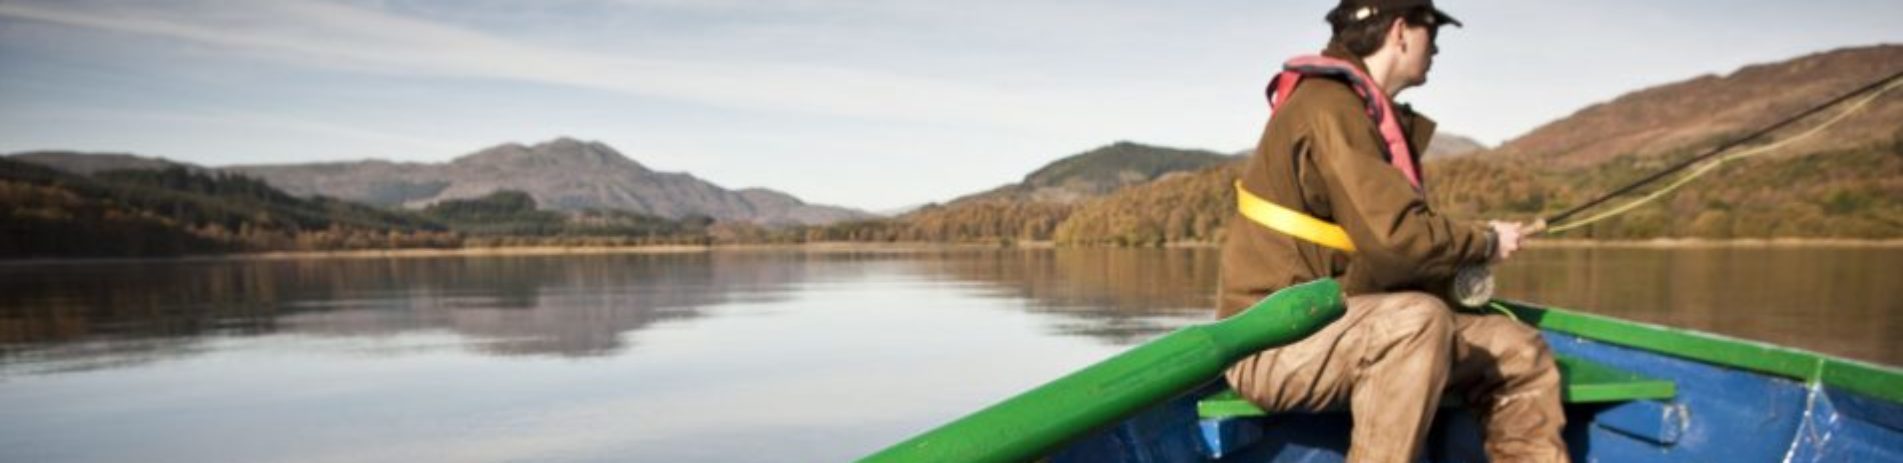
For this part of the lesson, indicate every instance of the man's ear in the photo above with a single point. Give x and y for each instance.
(1397, 34)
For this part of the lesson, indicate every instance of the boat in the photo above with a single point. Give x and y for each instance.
(1633, 391)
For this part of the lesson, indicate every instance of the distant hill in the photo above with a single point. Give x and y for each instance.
(1099, 171)
(1031, 209)
(561, 174)
(91, 163)
(1450, 145)
(898, 211)
(1846, 181)
(1700, 112)
(175, 210)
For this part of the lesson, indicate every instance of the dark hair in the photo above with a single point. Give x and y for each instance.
(1363, 36)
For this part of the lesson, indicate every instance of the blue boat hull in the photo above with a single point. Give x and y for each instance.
(1719, 413)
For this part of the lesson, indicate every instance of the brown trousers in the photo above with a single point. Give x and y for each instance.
(1389, 359)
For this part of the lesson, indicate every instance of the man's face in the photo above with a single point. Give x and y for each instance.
(1418, 56)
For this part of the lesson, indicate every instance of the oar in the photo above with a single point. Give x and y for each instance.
(1036, 422)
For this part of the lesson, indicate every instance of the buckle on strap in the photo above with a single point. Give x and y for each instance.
(1291, 222)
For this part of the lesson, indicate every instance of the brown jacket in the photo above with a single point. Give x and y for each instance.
(1321, 154)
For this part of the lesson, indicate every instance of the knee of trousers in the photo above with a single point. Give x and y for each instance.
(1422, 315)
(1523, 353)
(1519, 353)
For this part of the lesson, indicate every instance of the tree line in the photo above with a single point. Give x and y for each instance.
(178, 211)
(1849, 193)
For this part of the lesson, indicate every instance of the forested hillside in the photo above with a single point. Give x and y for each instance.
(178, 210)
(173, 211)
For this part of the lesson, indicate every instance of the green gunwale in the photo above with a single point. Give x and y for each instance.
(1878, 381)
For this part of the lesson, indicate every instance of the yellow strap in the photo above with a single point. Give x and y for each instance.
(1291, 222)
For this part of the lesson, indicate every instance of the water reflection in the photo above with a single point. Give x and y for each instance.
(57, 318)
(66, 317)
(808, 356)
(1837, 300)
(1120, 296)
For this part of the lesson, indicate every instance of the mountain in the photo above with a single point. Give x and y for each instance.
(561, 174)
(898, 211)
(1447, 145)
(1700, 112)
(1099, 171)
(1845, 181)
(1033, 207)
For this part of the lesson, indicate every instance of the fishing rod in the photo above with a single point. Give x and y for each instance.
(1543, 224)
(1473, 285)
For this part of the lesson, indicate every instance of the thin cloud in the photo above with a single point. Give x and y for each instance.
(326, 35)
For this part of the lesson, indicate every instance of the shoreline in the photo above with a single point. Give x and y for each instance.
(904, 247)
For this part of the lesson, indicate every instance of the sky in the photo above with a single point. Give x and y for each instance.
(874, 105)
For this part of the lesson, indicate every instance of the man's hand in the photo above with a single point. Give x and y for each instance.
(1508, 236)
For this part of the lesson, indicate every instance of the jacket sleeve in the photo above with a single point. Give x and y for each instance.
(1399, 242)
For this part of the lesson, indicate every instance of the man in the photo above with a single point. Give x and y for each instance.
(1334, 190)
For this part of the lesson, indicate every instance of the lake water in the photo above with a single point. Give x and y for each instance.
(768, 355)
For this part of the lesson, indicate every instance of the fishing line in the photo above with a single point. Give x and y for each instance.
(1473, 285)
(1880, 87)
